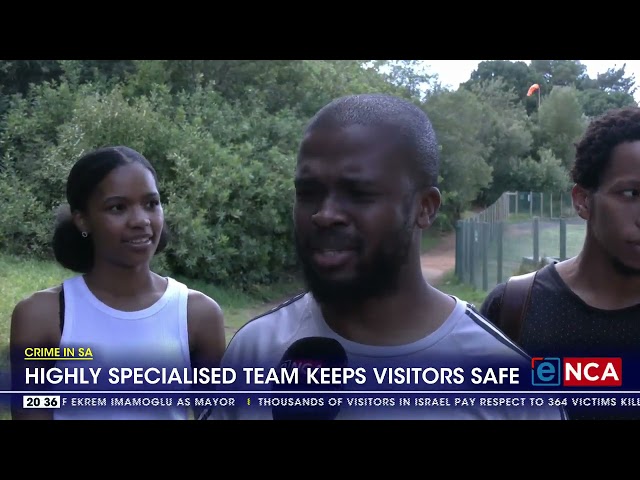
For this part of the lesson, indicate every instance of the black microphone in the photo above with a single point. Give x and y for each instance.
(303, 354)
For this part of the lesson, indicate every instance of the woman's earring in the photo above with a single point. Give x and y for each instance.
(85, 234)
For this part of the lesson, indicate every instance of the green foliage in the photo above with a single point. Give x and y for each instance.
(595, 102)
(514, 77)
(22, 230)
(506, 131)
(225, 164)
(223, 137)
(227, 206)
(544, 175)
(229, 215)
(561, 122)
(458, 118)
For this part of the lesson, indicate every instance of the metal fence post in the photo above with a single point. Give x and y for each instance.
(500, 252)
(536, 240)
(563, 239)
(459, 249)
(485, 256)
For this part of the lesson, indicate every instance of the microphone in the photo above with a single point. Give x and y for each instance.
(309, 352)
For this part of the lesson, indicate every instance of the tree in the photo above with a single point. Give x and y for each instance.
(561, 122)
(505, 131)
(458, 119)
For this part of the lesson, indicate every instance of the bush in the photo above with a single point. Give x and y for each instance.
(227, 200)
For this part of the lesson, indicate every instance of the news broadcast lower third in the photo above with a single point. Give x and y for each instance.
(68, 379)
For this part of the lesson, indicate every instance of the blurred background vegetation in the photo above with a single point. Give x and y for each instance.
(223, 135)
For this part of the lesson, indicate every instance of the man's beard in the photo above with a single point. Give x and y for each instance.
(623, 269)
(377, 278)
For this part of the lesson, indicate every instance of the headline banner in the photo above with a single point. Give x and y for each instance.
(77, 369)
(544, 373)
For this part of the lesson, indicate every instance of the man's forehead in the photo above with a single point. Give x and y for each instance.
(348, 167)
(345, 137)
(352, 152)
(624, 163)
(361, 169)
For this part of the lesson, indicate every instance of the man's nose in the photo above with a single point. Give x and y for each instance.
(329, 213)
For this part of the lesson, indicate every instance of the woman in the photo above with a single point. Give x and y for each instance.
(115, 305)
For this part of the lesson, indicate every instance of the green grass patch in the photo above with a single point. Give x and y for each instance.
(519, 218)
(430, 239)
(451, 285)
(518, 245)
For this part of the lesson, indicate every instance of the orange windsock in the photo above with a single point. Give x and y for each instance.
(532, 89)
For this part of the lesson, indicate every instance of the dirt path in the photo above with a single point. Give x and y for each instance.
(440, 259)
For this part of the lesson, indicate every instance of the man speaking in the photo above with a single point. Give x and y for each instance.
(365, 189)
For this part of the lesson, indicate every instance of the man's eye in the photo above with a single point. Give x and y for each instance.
(632, 192)
(307, 193)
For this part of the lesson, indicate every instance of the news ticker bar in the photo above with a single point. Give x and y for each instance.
(322, 392)
(254, 399)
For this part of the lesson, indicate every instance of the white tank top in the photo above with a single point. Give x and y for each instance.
(154, 337)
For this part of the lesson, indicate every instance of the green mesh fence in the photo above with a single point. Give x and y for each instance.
(519, 233)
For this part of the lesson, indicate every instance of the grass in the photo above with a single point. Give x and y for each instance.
(451, 285)
(430, 239)
(518, 245)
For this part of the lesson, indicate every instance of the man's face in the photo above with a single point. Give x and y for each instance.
(614, 209)
(353, 213)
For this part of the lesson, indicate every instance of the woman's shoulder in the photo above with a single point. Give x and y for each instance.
(32, 316)
(40, 299)
(198, 303)
(205, 319)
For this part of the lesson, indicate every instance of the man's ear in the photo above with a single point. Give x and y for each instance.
(80, 221)
(581, 199)
(430, 201)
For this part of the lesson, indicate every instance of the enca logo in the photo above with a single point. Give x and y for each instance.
(576, 371)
